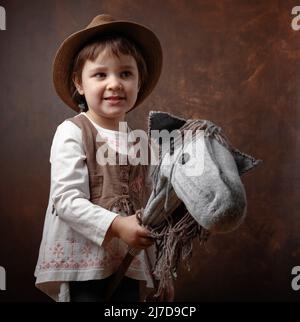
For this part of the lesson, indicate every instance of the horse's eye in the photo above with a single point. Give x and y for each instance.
(184, 158)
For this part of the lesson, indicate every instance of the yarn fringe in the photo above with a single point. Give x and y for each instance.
(174, 245)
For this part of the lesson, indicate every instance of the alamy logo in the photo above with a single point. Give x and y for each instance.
(2, 279)
(184, 149)
(296, 280)
(2, 18)
(296, 20)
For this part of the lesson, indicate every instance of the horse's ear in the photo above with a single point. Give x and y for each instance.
(244, 161)
(164, 121)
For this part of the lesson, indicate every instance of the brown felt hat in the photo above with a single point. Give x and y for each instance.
(101, 25)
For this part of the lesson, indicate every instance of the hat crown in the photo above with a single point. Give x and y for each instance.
(100, 20)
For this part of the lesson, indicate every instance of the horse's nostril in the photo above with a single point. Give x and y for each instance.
(184, 158)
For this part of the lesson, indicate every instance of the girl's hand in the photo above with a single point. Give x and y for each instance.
(131, 232)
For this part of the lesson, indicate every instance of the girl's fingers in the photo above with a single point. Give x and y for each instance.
(142, 243)
(146, 242)
(144, 232)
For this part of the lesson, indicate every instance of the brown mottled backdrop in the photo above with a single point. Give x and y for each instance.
(236, 62)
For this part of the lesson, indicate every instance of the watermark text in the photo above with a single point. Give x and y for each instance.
(296, 280)
(2, 279)
(2, 18)
(296, 20)
(184, 149)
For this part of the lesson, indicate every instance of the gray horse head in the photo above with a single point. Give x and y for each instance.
(198, 167)
(196, 190)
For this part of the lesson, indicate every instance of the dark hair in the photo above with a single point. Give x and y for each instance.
(117, 45)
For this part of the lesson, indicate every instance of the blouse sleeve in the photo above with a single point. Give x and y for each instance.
(70, 186)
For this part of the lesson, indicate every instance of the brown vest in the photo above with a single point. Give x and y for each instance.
(126, 188)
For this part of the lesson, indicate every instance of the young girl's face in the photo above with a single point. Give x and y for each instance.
(110, 84)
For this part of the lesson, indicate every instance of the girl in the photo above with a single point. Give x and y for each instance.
(102, 71)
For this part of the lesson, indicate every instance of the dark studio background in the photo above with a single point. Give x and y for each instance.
(235, 62)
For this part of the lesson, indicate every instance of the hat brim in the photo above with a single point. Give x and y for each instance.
(146, 40)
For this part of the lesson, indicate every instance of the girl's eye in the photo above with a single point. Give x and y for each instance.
(126, 73)
(100, 75)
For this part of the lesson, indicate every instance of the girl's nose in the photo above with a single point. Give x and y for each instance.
(114, 84)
